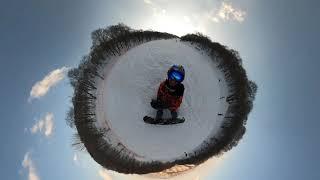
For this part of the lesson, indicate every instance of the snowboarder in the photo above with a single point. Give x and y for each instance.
(170, 95)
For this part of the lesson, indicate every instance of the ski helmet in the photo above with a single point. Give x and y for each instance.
(176, 72)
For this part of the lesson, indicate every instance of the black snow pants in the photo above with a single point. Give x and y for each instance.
(159, 106)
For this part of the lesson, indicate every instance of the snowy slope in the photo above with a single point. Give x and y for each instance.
(132, 80)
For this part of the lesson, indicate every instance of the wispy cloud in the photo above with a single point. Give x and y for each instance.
(147, 1)
(194, 17)
(104, 175)
(75, 157)
(228, 12)
(42, 87)
(27, 163)
(44, 125)
(225, 13)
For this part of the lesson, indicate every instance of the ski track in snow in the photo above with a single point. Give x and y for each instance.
(132, 80)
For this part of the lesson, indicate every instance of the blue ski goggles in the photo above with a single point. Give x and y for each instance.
(174, 75)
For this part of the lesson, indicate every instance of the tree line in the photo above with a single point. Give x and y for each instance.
(106, 43)
(114, 41)
(241, 94)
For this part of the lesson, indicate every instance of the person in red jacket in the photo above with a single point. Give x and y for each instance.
(170, 92)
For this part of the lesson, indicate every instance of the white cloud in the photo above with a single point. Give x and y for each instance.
(75, 157)
(104, 175)
(195, 17)
(214, 19)
(147, 1)
(44, 125)
(27, 163)
(186, 19)
(228, 12)
(41, 88)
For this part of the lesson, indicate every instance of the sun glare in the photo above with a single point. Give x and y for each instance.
(178, 25)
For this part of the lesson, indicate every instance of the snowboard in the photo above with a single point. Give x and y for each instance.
(151, 120)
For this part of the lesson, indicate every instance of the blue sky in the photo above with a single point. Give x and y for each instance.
(278, 41)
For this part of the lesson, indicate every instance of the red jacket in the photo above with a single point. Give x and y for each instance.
(171, 96)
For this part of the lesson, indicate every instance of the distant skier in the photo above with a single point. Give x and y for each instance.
(170, 95)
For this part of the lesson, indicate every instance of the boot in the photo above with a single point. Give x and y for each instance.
(159, 116)
(174, 115)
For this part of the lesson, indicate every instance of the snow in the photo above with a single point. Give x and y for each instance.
(132, 80)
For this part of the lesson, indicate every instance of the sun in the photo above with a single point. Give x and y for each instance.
(174, 24)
